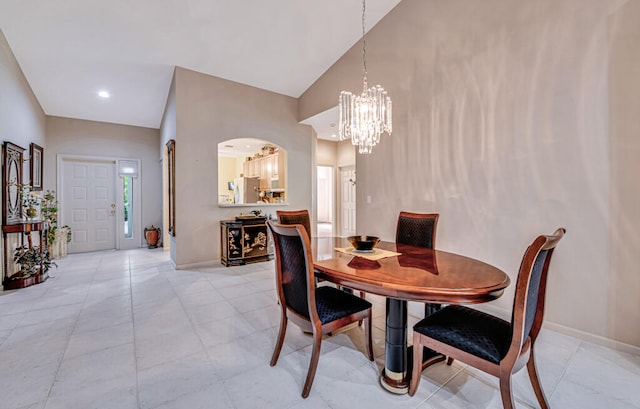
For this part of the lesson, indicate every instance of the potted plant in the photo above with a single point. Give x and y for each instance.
(32, 261)
(58, 237)
(268, 150)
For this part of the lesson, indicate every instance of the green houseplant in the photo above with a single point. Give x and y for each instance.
(30, 260)
(49, 211)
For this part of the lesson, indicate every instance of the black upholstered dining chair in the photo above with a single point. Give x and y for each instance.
(486, 342)
(419, 230)
(319, 310)
(289, 217)
(295, 217)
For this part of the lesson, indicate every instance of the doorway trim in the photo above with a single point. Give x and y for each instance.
(121, 243)
(332, 199)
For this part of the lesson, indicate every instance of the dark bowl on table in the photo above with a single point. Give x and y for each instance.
(363, 243)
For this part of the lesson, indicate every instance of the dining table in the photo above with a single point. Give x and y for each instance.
(403, 273)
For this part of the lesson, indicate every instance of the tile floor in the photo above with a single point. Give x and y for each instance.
(125, 330)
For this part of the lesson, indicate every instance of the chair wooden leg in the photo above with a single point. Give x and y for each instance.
(362, 295)
(367, 335)
(281, 334)
(417, 364)
(430, 308)
(505, 391)
(535, 381)
(449, 361)
(313, 364)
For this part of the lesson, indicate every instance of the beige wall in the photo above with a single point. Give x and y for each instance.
(346, 153)
(168, 125)
(99, 139)
(22, 121)
(167, 132)
(501, 117)
(326, 153)
(623, 302)
(210, 110)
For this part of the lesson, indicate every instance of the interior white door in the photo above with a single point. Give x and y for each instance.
(89, 204)
(348, 201)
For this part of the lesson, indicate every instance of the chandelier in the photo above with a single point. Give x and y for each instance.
(364, 117)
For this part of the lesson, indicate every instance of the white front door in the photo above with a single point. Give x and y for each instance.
(89, 204)
(348, 201)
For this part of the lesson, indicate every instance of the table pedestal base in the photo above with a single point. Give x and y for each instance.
(398, 359)
(394, 382)
(399, 383)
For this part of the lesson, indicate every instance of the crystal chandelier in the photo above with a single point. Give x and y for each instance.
(363, 118)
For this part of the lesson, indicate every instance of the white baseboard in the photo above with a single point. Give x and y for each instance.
(592, 338)
(201, 264)
(572, 332)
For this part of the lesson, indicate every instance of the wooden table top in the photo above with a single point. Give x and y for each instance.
(418, 274)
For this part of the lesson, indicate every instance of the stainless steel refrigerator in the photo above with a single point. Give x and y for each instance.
(246, 190)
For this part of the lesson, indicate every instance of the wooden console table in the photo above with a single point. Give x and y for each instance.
(24, 229)
(244, 241)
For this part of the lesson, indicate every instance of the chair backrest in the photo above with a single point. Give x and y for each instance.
(294, 269)
(417, 229)
(531, 285)
(295, 217)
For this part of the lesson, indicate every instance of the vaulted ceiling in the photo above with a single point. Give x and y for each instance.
(69, 50)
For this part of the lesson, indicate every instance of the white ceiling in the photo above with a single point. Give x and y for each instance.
(71, 49)
(241, 147)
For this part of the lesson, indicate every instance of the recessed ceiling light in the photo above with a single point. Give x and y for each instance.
(334, 135)
(104, 94)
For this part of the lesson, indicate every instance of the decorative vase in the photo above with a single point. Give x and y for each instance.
(152, 234)
(31, 213)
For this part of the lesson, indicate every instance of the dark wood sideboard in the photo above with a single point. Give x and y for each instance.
(244, 241)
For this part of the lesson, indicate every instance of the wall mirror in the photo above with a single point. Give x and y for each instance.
(36, 153)
(251, 171)
(12, 156)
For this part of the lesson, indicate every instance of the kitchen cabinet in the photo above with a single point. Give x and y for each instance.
(270, 169)
(265, 175)
(249, 168)
(273, 165)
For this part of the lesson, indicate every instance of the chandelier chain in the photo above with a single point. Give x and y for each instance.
(364, 47)
(364, 117)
